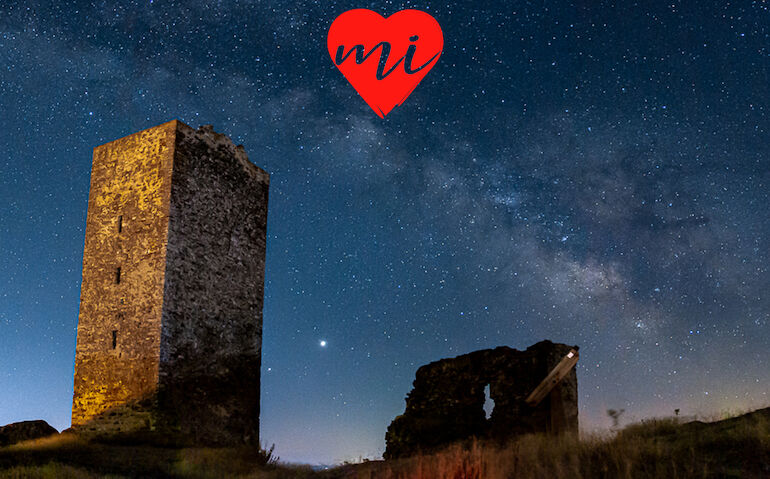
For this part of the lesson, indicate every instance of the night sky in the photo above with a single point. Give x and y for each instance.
(593, 173)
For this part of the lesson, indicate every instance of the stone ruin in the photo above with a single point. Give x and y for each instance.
(446, 403)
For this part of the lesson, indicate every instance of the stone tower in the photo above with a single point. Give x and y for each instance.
(170, 329)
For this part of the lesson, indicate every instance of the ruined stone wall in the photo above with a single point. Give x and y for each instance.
(118, 337)
(446, 403)
(172, 343)
(212, 315)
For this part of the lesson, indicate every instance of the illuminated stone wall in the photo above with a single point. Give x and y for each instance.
(126, 228)
(171, 343)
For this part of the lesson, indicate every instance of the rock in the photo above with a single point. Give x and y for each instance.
(447, 402)
(25, 430)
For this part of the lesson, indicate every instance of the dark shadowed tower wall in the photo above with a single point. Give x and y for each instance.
(170, 326)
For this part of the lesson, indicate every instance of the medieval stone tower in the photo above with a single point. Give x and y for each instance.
(170, 330)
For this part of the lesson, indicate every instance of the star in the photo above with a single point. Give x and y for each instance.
(578, 209)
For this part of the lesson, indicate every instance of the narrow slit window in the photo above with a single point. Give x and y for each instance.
(114, 338)
(117, 275)
(120, 223)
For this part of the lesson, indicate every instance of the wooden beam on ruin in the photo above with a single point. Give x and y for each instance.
(554, 377)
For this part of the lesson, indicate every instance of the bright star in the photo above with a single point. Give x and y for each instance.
(323, 343)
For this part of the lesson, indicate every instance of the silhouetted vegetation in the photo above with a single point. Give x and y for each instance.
(615, 414)
(737, 447)
(265, 457)
(67, 456)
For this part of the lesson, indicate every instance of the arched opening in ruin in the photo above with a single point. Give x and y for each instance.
(489, 403)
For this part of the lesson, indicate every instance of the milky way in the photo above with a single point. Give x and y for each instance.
(587, 172)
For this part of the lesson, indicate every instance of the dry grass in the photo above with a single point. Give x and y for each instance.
(738, 447)
(68, 456)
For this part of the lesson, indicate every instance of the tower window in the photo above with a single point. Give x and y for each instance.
(120, 223)
(114, 338)
(117, 275)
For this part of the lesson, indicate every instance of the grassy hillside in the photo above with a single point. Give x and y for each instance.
(67, 456)
(738, 447)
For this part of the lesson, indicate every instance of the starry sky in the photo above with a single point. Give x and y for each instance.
(594, 173)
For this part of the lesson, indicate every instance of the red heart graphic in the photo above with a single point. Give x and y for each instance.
(384, 58)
